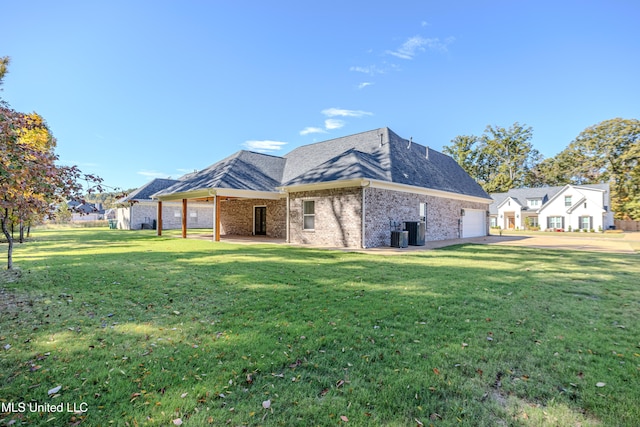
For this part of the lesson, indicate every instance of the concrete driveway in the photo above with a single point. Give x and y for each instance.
(619, 245)
(616, 244)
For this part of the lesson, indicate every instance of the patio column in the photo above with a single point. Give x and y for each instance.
(184, 218)
(159, 225)
(217, 225)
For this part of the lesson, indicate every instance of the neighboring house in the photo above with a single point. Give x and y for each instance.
(138, 210)
(85, 211)
(567, 208)
(346, 192)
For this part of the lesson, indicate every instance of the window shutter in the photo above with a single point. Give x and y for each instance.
(548, 222)
(563, 223)
(590, 223)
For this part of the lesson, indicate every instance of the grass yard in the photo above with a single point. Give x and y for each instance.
(133, 329)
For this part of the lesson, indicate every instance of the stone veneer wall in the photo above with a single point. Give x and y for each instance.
(200, 215)
(338, 218)
(383, 208)
(237, 216)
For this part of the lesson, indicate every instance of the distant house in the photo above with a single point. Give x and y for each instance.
(566, 208)
(85, 211)
(138, 210)
(346, 192)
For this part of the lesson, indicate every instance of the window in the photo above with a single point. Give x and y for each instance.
(555, 222)
(586, 222)
(532, 221)
(493, 222)
(567, 201)
(308, 215)
(534, 203)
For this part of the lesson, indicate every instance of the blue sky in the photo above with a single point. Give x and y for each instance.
(134, 90)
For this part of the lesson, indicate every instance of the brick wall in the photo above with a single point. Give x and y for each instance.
(338, 218)
(237, 216)
(384, 208)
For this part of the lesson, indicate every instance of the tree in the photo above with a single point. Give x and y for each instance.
(30, 180)
(464, 151)
(500, 159)
(608, 152)
(4, 65)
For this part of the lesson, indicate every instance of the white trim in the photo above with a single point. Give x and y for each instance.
(225, 192)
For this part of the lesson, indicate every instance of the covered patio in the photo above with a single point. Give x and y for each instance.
(236, 213)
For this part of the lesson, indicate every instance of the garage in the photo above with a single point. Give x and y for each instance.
(474, 223)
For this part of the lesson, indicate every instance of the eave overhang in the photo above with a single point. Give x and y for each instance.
(223, 192)
(360, 182)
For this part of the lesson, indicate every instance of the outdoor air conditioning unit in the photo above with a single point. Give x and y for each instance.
(399, 239)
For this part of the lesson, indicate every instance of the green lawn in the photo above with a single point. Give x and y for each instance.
(145, 330)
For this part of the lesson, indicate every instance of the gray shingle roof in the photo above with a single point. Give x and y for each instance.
(378, 154)
(382, 155)
(146, 191)
(244, 170)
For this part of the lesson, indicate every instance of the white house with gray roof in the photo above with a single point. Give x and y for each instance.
(566, 208)
(138, 210)
(346, 192)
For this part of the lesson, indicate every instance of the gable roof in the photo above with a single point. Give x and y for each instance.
(506, 199)
(378, 155)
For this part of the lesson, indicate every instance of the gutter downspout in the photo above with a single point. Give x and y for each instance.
(364, 212)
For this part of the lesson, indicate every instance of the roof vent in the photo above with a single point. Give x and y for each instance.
(381, 135)
(410, 141)
(427, 153)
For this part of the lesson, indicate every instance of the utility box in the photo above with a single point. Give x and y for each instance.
(399, 239)
(416, 230)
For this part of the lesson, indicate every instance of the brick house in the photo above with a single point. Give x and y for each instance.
(346, 192)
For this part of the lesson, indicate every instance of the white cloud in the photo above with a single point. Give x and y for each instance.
(416, 44)
(331, 124)
(371, 70)
(339, 112)
(309, 130)
(264, 146)
(364, 84)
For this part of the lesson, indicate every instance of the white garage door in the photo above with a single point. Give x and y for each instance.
(474, 223)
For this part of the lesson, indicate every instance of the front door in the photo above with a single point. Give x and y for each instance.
(260, 221)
